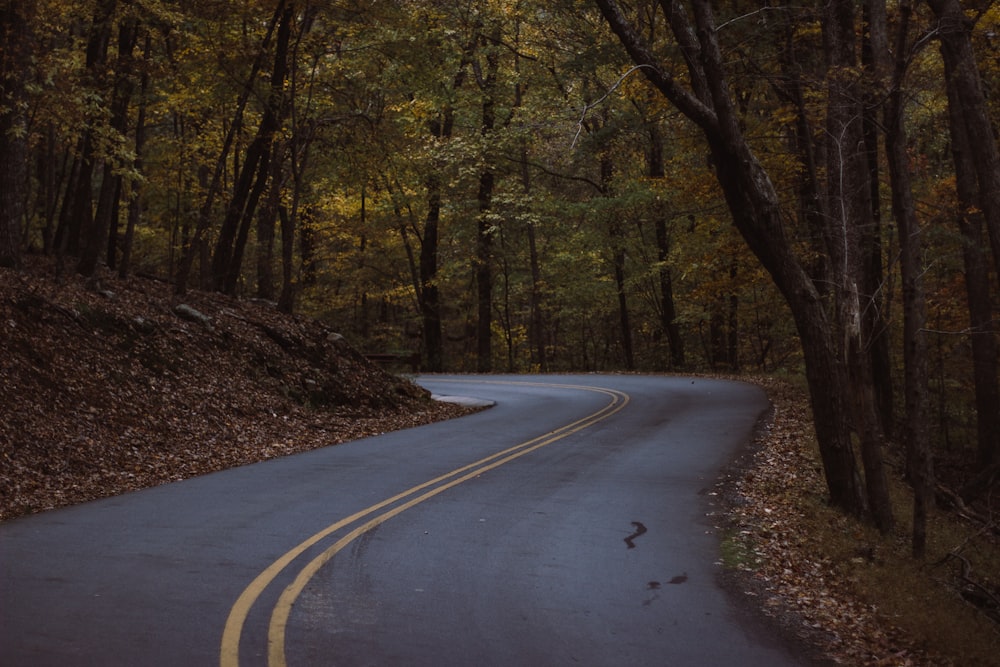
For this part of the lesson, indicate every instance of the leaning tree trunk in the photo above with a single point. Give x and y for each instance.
(196, 245)
(227, 263)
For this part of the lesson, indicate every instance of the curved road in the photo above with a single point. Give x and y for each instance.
(568, 525)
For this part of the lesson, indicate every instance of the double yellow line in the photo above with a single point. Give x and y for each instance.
(232, 635)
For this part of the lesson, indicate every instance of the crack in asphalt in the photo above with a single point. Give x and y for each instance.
(639, 530)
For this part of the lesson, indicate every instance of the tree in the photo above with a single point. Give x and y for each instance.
(977, 171)
(195, 245)
(77, 229)
(227, 259)
(668, 310)
(105, 217)
(15, 32)
(757, 213)
(916, 432)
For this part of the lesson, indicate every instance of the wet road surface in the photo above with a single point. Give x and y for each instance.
(568, 525)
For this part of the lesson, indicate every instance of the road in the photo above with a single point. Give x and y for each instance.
(570, 524)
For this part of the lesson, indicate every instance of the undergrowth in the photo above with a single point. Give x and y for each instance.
(861, 594)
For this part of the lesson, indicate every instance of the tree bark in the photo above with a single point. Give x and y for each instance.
(963, 78)
(77, 220)
(85, 227)
(267, 219)
(429, 299)
(484, 276)
(430, 296)
(916, 430)
(484, 228)
(195, 245)
(227, 259)
(97, 237)
(983, 337)
(977, 176)
(848, 239)
(668, 310)
(15, 33)
(875, 325)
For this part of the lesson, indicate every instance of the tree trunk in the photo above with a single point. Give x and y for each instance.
(267, 219)
(15, 28)
(916, 430)
(195, 245)
(85, 226)
(977, 285)
(286, 300)
(668, 310)
(847, 241)
(484, 231)
(233, 271)
(623, 310)
(967, 92)
(874, 325)
(617, 240)
(537, 318)
(430, 298)
(977, 176)
(97, 238)
(484, 276)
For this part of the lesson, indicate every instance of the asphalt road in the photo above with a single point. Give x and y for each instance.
(571, 524)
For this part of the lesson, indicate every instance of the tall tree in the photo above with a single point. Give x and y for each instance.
(848, 236)
(77, 219)
(227, 258)
(757, 213)
(668, 311)
(195, 245)
(916, 431)
(111, 177)
(485, 228)
(15, 33)
(977, 172)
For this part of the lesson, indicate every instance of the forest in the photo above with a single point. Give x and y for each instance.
(809, 190)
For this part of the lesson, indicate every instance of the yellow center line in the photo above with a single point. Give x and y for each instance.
(232, 634)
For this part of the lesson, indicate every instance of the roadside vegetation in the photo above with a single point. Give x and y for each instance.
(853, 592)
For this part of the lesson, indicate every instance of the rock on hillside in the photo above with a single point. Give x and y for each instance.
(119, 386)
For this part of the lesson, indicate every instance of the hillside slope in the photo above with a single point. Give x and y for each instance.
(120, 385)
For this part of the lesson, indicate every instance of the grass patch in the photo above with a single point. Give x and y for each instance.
(922, 598)
(736, 553)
